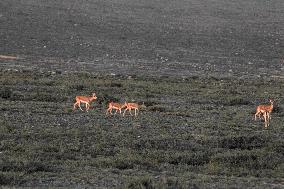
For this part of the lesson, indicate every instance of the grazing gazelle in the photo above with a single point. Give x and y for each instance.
(130, 106)
(84, 99)
(261, 109)
(116, 106)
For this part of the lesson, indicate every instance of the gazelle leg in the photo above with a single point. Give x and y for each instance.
(265, 119)
(110, 111)
(80, 106)
(124, 112)
(128, 110)
(74, 106)
(87, 106)
(256, 114)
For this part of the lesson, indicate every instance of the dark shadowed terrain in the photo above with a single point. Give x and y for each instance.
(199, 66)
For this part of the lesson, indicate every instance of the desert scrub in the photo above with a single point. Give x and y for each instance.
(243, 142)
(6, 127)
(246, 162)
(6, 93)
(12, 178)
(151, 182)
(235, 101)
(188, 130)
(194, 159)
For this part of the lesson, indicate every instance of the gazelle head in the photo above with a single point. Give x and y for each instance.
(271, 101)
(94, 96)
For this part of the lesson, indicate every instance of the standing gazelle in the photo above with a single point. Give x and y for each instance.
(116, 106)
(84, 99)
(261, 109)
(130, 106)
(265, 110)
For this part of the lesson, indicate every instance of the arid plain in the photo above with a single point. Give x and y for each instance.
(200, 67)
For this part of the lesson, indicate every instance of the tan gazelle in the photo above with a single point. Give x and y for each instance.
(84, 99)
(116, 106)
(261, 109)
(265, 110)
(130, 106)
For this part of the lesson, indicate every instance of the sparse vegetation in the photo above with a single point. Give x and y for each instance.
(199, 67)
(172, 140)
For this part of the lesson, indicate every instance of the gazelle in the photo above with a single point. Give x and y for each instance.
(116, 106)
(265, 110)
(84, 99)
(130, 106)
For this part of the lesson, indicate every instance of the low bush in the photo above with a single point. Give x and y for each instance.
(148, 182)
(149, 103)
(47, 97)
(78, 87)
(235, 101)
(106, 98)
(242, 142)
(157, 108)
(141, 183)
(123, 164)
(11, 179)
(194, 159)
(118, 85)
(277, 109)
(6, 93)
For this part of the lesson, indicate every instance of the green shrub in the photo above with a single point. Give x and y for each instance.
(242, 142)
(123, 164)
(106, 98)
(147, 182)
(118, 85)
(149, 103)
(35, 166)
(11, 179)
(277, 109)
(77, 87)
(235, 101)
(157, 108)
(6, 93)
(142, 183)
(194, 159)
(47, 97)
